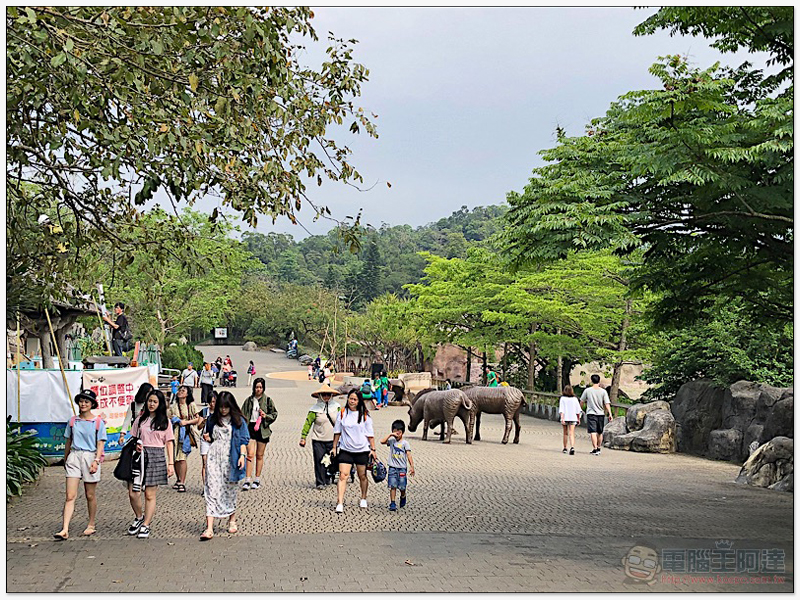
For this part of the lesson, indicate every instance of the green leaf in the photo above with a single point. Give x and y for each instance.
(58, 59)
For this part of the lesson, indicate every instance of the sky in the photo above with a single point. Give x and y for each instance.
(467, 97)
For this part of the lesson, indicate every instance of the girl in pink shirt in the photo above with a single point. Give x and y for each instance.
(154, 434)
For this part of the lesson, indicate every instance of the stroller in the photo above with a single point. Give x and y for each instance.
(228, 379)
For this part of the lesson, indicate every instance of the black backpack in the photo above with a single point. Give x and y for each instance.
(321, 377)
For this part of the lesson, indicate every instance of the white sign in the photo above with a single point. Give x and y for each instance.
(115, 389)
(43, 398)
(221, 332)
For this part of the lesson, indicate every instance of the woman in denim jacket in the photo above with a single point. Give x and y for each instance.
(227, 433)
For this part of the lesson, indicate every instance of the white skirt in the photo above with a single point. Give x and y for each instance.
(204, 446)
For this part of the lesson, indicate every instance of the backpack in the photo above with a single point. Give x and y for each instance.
(378, 471)
(322, 377)
(366, 391)
(97, 421)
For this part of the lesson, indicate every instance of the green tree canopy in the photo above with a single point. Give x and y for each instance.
(108, 105)
(698, 174)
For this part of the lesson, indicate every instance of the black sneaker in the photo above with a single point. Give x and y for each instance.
(571, 451)
(255, 485)
(135, 526)
(564, 451)
(594, 452)
(144, 532)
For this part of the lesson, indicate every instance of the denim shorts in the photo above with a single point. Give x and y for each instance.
(397, 478)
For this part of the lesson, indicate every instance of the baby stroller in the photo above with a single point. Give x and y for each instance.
(229, 379)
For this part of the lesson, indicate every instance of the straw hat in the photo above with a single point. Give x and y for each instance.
(325, 389)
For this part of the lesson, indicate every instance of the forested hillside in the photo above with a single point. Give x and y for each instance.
(387, 260)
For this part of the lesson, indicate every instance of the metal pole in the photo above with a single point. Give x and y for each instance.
(60, 365)
(19, 375)
(103, 328)
(106, 329)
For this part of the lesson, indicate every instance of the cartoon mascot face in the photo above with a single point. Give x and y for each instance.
(641, 564)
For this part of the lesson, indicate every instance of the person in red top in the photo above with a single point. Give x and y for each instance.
(154, 434)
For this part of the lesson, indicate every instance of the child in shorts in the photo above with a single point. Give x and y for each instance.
(399, 461)
(83, 455)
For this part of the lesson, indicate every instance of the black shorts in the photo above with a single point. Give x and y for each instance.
(255, 435)
(596, 423)
(353, 458)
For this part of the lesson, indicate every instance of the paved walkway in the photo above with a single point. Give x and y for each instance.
(484, 517)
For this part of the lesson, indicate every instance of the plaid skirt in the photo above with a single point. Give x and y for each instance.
(155, 472)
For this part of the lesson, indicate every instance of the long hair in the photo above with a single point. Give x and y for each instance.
(160, 420)
(263, 383)
(143, 393)
(225, 398)
(362, 405)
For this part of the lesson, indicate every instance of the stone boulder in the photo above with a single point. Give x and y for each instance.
(657, 432)
(771, 466)
(305, 360)
(636, 413)
(612, 432)
(697, 409)
(729, 424)
(725, 444)
(780, 421)
(250, 347)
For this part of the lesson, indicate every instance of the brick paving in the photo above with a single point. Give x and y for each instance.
(484, 517)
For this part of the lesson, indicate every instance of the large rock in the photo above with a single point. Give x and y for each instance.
(612, 432)
(250, 347)
(305, 360)
(780, 421)
(725, 444)
(656, 435)
(697, 409)
(771, 466)
(636, 413)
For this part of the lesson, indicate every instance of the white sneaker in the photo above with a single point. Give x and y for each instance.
(363, 503)
(339, 508)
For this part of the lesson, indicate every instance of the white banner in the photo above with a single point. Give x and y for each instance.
(115, 389)
(43, 398)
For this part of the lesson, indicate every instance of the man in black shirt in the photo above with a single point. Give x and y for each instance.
(120, 326)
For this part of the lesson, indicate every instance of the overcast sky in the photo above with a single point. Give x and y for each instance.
(466, 97)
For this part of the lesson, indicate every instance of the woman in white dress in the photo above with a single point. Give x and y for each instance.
(225, 463)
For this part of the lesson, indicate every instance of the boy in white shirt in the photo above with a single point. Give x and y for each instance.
(570, 409)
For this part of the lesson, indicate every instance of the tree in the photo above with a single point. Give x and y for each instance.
(168, 299)
(107, 106)
(698, 174)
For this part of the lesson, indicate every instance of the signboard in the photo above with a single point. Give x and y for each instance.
(220, 332)
(115, 389)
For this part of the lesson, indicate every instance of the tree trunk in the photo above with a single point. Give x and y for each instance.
(532, 359)
(47, 356)
(566, 368)
(485, 367)
(469, 364)
(505, 360)
(622, 346)
(559, 369)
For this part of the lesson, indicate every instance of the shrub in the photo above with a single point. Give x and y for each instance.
(176, 357)
(24, 462)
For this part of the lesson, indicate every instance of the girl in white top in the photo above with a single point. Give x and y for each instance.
(570, 409)
(353, 444)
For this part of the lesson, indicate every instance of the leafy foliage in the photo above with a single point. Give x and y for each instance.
(179, 355)
(24, 462)
(724, 347)
(106, 106)
(699, 174)
(386, 260)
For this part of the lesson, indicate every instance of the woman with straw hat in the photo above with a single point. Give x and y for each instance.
(320, 421)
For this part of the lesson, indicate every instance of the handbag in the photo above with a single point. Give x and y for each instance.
(124, 469)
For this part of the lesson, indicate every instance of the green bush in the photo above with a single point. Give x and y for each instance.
(177, 357)
(24, 462)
